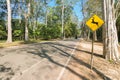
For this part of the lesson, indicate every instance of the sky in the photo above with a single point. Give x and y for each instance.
(78, 12)
(76, 9)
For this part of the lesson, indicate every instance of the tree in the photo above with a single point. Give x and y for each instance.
(9, 37)
(26, 13)
(30, 19)
(64, 4)
(111, 14)
(62, 17)
(46, 11)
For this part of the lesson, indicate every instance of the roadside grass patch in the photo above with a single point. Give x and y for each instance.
(3, 44)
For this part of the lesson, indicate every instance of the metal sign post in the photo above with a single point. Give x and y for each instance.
(92, 51)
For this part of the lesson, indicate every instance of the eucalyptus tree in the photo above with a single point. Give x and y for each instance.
(13, 12)
(38, 10)
(52, 31)
(85, 16)
(26, 4)
(75, 23)
(46, 11)
(111, 13)
(37, 14)
(64, 4)
(9, 28)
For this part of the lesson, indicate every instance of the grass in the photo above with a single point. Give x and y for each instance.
(3, 44)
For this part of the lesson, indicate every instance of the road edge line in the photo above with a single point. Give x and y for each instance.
(64, 68)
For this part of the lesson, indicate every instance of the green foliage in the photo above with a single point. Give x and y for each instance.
(118, 27)
(17, 33)
(67, 2)
(50, 32)
(34, 32)
(36, 19)
(45, 33)
(96, 9)
(118, 21)
(18, 29)
(111, 61)
(3, 33)
(70, 30)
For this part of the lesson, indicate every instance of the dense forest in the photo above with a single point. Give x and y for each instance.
(38, 20)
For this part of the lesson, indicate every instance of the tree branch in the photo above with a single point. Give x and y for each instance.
(117, 9)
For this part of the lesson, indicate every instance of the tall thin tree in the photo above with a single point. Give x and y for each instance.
(46, 12)
(9, 28)
(26, 15)
(62, 17)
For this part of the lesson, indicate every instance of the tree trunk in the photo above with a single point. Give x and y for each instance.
(46, 16)
(46, 12)
(9, 37)
(111, 38)
(95, 35)
(88, 36)
(26, 23)
(26, 30)
(63, 35)
(84, 29)
(104, 31)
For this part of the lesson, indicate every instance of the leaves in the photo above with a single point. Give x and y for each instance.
(34, 14)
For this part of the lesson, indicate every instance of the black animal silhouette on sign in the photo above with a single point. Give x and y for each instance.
(93, 21)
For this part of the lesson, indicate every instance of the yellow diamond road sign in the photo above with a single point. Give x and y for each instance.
(94, 23)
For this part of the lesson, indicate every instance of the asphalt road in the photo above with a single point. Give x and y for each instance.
(39, 61)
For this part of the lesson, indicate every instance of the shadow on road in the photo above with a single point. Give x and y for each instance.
(44, 54)
(95, 54)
